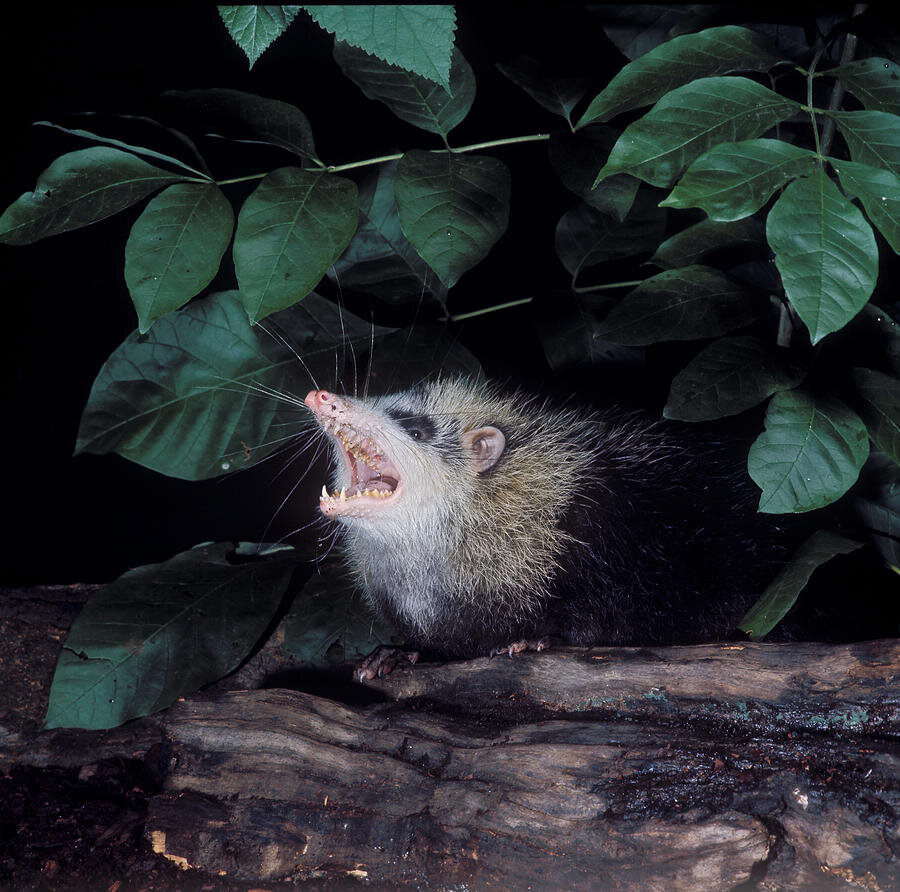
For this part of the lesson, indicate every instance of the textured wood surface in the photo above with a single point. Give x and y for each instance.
(680, 768)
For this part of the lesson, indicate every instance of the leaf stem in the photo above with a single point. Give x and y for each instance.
(809, 101)
(507, 141)
(837, 92)
(334, 168)
(510, 303)
(587, 289)
(252, 176)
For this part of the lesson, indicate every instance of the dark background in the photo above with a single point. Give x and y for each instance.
(66, 306)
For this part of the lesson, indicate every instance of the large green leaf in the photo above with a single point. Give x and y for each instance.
(130, 147)
(254, 28)
(408, 356)
(879, 191)
(825, 252)
(636, 28)
(453, 208)
(690, 120)
(873, 137)
(164, 630)
(727, 377)
(566, 324)
(874, 82)
(679, 304)
(197, 395)
(576, 157)
(692, 244)
(380, 259)
(80, 188)
(809, 454)
(879, 507)
(290, 230)
(678, 62)
(585, 237)
(330, 623)
(880, 408)
(412, 98)
(558, 94)
(175, 246)
(250, 118)
(735, 179)
(782, 593)
(417, 38)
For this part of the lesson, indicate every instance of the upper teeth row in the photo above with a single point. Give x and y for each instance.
(362, 450)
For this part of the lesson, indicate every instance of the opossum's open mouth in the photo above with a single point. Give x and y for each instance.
(374, 480)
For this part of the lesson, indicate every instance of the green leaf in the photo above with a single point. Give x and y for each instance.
(873, 137)
(874, 82)
(78, 189)
(678, 62)
(781, 595)
(636, 28)
(453, 208)
(880, 408)
(825, 252)
(879, 335)
(879, 192)
(576, 157)
(175, 247)
(566, 325)
(135, 150)
(809, 454)
(330, 623)
(558, 94)
(379, 259)
(407, 356)
(692, 244)
(161, 631)
(255, 28)
(879, 511)
(728, 377)
(586, 238)
(417, 38)
(204, 392)
(690, 120)
(253, 118)
(735, 179)
(676, 305)
(290, 230)
(411, 98)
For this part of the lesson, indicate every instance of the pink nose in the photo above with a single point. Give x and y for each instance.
(317, 399)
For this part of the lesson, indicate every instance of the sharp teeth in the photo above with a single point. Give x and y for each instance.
(344, 494)
(324, 492)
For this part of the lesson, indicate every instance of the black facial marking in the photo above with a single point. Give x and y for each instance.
(419, 427)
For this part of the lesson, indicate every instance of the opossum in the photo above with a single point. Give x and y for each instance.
(478, 520)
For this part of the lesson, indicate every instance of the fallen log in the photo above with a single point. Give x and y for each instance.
(653, 768)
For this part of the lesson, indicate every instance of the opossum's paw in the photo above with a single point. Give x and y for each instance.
(517, 647)
(384, 660)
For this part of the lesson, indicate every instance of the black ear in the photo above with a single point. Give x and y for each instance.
(485, 446)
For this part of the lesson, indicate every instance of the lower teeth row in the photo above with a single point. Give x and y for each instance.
(341, 495)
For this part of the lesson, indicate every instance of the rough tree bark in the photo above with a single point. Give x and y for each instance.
(681, 768)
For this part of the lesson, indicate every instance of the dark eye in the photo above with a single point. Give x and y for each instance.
(419, 427)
